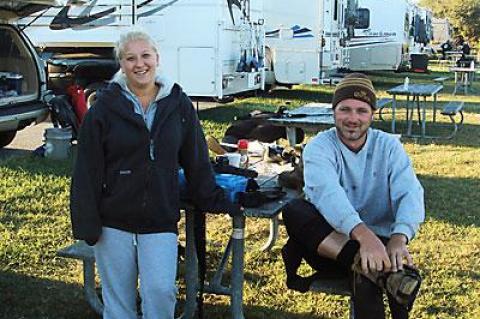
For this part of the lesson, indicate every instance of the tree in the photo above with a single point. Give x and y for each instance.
(464, 15)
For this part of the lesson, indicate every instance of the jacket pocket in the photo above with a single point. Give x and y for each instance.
(125, 195)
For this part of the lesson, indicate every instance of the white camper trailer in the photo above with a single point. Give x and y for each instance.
(213, 48)
(442, 30)
(380, 38)
(421, 29)
(302, 40)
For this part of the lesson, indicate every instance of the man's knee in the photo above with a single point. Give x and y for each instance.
(299, 211)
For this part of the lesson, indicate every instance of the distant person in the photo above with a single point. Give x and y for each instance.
(363, 205)
(445, 47)
(125, 186)
(465, 49)
(458, 43)
(465, 59)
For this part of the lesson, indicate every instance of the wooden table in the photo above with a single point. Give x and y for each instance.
(416, 91)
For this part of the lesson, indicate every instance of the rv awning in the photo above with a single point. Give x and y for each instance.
(15, 9)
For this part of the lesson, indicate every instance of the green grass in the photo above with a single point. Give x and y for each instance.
(34, 224)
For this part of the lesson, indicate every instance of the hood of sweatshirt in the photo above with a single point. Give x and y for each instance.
(112, 99)
(162, 80)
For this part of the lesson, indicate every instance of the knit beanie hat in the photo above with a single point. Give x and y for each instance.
(355, 86)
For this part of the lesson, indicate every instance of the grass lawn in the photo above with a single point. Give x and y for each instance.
(34, 224)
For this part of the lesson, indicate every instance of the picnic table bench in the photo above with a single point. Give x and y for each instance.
(441, 80)
(451, 109)
(381, 104)
(81, 251)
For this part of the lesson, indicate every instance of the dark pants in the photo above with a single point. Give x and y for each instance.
(307, 228)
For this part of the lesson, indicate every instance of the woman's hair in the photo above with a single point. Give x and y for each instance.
(135, 34)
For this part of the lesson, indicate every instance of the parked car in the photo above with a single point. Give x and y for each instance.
(23, 86)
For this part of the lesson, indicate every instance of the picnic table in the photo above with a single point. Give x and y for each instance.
(268, 174)
(417, 92)
(312, 117)
(464, 77)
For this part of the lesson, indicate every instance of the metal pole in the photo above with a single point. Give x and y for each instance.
(191, 268)
(424, 115)
(238, 247)
(394, 106)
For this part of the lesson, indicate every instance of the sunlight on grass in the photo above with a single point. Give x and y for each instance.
(34, 224)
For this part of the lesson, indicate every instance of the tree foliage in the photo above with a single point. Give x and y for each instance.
(464, 15)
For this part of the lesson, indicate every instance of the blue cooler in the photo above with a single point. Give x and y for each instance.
(232, 185)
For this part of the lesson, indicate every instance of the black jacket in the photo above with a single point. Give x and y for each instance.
(126, 177)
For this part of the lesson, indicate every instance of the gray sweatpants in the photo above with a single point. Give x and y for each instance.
(123, 258)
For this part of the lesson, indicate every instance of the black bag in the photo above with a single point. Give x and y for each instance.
(255, 126)
(62, 113)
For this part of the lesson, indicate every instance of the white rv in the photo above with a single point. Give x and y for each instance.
(302, 40)
(421, 28)
(380, 37)
(213, 48)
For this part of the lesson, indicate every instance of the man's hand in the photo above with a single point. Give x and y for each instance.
(397, 251)
(372, 251)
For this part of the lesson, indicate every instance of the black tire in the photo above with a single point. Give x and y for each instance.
(6, 137)
(91, 92)
(224, 100)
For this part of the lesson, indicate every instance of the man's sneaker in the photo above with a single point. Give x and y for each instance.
(214, 146)
(403, 285)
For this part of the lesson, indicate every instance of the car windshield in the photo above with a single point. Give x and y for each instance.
(18, 73)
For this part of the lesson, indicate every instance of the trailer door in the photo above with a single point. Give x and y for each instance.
(196, 72)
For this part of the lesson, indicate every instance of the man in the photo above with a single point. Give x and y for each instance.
(363, 205)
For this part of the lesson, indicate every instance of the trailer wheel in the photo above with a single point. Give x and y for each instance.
(224, 100)
(6, 137)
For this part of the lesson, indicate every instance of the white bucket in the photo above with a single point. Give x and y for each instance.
(57, 142)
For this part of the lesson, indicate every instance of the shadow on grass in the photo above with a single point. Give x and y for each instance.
(259, 312)
(31, 298)
(25, 161)
(7, 153)
(467, 135)
(452, 200)
(28, 297)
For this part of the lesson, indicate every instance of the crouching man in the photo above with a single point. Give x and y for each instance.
(363, 205)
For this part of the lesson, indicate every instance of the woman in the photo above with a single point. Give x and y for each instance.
(125, 191)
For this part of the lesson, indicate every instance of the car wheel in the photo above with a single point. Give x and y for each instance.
(6, 137)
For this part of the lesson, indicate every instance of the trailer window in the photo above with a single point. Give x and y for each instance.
(363, 18)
